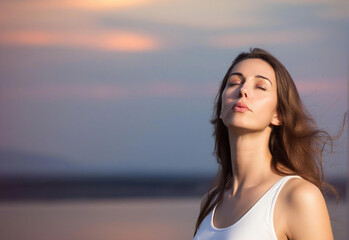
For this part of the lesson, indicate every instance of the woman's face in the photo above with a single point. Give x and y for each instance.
(251, 82)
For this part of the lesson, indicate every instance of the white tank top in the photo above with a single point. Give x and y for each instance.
(256, 223)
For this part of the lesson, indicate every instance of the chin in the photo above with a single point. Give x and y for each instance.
(246, 126)
(238, 123)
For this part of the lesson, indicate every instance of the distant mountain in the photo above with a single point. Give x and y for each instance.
(22, 163)
(27, 189)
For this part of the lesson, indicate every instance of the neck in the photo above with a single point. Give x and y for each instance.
(250, 157)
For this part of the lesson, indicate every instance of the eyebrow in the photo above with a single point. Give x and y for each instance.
(257, 76)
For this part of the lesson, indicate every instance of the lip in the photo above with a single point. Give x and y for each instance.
(241, 107)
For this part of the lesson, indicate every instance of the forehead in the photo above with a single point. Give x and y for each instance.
(253, 67)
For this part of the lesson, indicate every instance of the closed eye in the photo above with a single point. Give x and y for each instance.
(231, 84)
(262, 88)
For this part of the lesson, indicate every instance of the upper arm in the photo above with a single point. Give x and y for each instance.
(307, 215)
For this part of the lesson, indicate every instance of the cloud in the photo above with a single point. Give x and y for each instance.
(63, 91)
(315, 86)
(105, 91)
(339, 10)
(330, 9)
(299, 2)
(101, 4)
(264, 38)
(40, 23)
(203, 14)
(60, 23)
(103, 40)
(90, 5)
(101, 92)
(304, 2)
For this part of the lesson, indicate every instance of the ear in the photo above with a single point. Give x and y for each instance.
(276, 120)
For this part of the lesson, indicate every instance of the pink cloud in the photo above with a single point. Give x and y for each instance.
(314, 86)
(63, 91)
(100, 92)
(91, 5)
(115, 40)
(255, 38)
(105, 91)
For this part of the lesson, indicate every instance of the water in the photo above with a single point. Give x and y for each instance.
(121, 219)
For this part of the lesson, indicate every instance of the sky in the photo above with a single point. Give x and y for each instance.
(127, 87)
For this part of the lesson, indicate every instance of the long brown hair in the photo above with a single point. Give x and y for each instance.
(296, 144)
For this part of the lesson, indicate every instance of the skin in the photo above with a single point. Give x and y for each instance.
(300, 211)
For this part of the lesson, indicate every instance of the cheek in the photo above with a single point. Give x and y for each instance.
(226, 101)
(230, 92)
(228, 96)
(266, 106)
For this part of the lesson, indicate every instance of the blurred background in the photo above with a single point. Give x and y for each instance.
(105, 107)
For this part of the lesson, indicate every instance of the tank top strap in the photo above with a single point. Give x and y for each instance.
(275, 193)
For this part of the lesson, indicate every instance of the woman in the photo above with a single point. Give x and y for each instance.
(270, 182)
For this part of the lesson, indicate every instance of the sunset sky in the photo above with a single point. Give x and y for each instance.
(127, 87)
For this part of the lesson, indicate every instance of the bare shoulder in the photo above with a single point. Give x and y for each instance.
(306, 211)
(300, 192)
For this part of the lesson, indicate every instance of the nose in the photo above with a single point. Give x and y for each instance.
(243, 92)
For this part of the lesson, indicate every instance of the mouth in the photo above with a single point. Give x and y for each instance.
(240, 107)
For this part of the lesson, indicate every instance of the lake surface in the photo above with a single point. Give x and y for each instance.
(121, 219)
